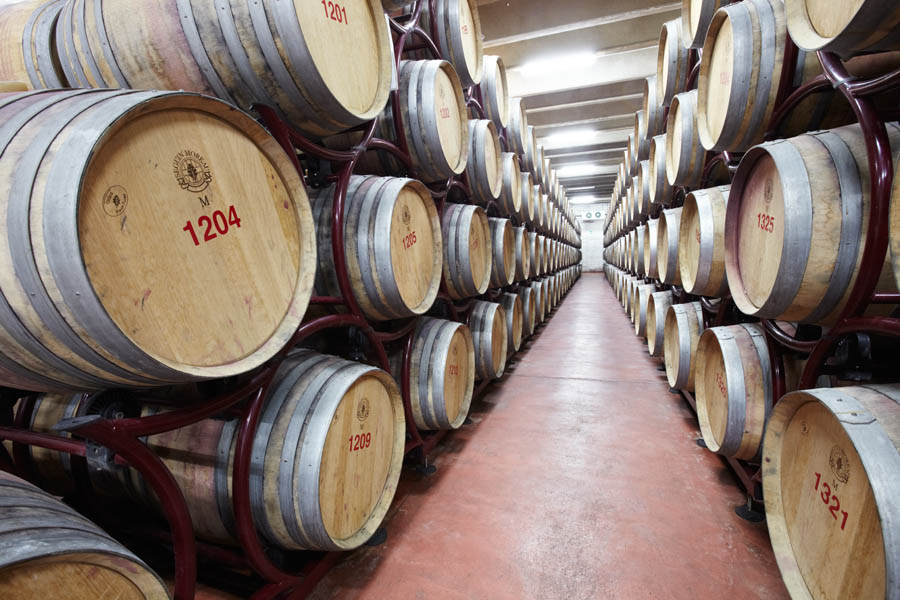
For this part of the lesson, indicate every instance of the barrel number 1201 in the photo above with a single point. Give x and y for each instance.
(830, 500)
(335, 12)
(219, 221)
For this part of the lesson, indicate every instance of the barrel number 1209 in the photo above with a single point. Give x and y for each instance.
(360, 441)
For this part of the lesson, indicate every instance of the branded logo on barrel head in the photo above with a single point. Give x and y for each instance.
(114, 201)
(767, 191)
(362, 410)
(406, 216)
(191, 171)
(840, 466)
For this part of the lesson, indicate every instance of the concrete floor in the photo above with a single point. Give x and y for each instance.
(579, 478)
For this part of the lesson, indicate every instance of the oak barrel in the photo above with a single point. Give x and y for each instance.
(846, 28)
(657, 308)
(488, 324)
(682, 329)
(733, 379)
(103, 288)
(637, 250)
(529, 309)
(392, 245)
(653, 110)
(796, 223)
(517, 129)
(495, 91)
(433, 111)
(441, 373)
(459, 37)
(667, 246)
(830, 464)
(641, 142)
(28, 50)
(536, 257)
(515, 318)
(701, 242)
(510, 201)
(685, 155)
(483, 168)
(651, 266)
(639, 308)
(466, 250)
(660, 190)
(47, 550)
(523, 254)
(672, 63)
(696, 16)
(326, 72)
(526, 191)
(503, 252)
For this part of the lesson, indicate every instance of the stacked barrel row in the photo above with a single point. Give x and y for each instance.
(197, 245)
(781, 239)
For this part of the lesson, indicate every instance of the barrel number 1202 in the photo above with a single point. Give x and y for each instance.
(335, 12)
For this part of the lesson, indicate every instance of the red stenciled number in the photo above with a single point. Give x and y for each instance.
(818, 478)
(454, 369)
(831, 500)
(209, 235)
(223, 228)
(720, 381)
(335, 12)
(765, 222)
(218, 221)
(445, 113)
(835, 506)
(409, 240)
(359, 441)
(190, 229)
(844, 522)
(826, 493)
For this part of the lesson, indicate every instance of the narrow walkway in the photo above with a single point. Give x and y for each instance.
(579, 479)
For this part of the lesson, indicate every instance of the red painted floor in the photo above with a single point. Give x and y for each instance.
(579, 478)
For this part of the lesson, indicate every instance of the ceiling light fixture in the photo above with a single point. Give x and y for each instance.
(568, 62)
(581, 137)
(578, 170)
(584, 200)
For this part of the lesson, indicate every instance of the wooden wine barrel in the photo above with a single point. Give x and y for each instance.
(138, 278)
(696, 16)
(848, 28)
(546, 172)
(545, 252)
(47, 550)
(653, 110)
(466, 249)
(483, 167)
(672, 63)
(631, 158)
(325, 72)
(442, 373)
(540, 303)
(831, 491)
(639, 308)
(28, 53)
(488, 324)
(657, 306)
(459, 37)
(529, 309)
(515, 318)
(667, 246)
(494, 91)
(681, 333)
(796, 224)
(535, 254)
(641, 143)
(733, 379)
(435, 129)
(503, 252)
(392, 244)
(523, 254)
(701, 242)
(659, 189)
(517, 129)
(637, 254)
(642, 186)
(526, 190)
(685, 155)
(510, 200)
(651, 266)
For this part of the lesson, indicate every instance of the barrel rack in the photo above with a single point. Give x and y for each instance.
(810, 341)
(104, 442)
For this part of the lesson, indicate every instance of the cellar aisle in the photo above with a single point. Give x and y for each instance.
(578, 478)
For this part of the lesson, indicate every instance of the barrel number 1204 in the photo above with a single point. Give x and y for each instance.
(218, 221)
